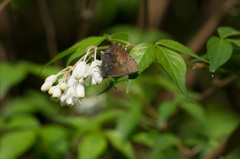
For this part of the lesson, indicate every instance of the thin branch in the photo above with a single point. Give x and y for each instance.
(209, 27)
(3, 56)
(143, 15)
(4, 4)
(226, 146)
(49, 28)
(217, 84)
(156, 12)
(207, 30)
(86, 16)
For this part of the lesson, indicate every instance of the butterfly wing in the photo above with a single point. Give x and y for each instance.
(116, 62)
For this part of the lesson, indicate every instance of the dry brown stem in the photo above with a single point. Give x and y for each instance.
(4, 4)
(49, 28)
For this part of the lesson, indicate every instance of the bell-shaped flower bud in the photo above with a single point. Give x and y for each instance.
(63, 86)
(80, 91)
(79, 70)
(51, 90)
(57, 92)
(70, 101)
(96, 78)
(51, 78)
(46, 85)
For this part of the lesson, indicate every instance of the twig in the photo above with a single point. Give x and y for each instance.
(217, 84)
(49, 28)
(156, 12)
(200, 38)
(86, 15)
(143, 15)
(226, 146)
(4, 4)
(3, 56)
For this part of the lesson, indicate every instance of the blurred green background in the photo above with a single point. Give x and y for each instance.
(152, 121)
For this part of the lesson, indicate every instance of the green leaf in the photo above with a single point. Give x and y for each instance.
(234, 41)
(65, 53)
(224, 32)
(38, 70)
(128, 121)
(14, 144)
(23, 121)
(133, 32)
(195, 110)
(107, 116)
(54, 138)
(115, 139)
(121, 36)
(165, 110)
(11, 74)
(219, 52)
(83, 45)
(163, 142)
(174, 64)
(179, 48)
(80, 123)
(92, 146)
(131, 81)
(146, 139)
(144, 55)
(32, 102)
(221, 121)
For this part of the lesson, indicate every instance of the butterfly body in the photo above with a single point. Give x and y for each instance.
(116, 62)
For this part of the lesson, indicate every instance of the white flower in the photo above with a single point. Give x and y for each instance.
(70, 88)
(50, 91)
(46, 85)
(68, 96)
(95, 72)
(80, 70)
(51, 78)
(96, 78)
(63, 86)
(57, 92)
(80, 91)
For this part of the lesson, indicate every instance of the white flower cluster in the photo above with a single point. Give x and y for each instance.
(70, 88)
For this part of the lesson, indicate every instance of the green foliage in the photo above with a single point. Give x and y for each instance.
(82, 47)
(117, 37)
(219, 52)
(165, 110)
(92, 146)
(53, 137)
(144, 54)
(10, 76)
(195, 110)
(124, 147)
(174, 64)
(225, 32)
(179, 48)
(16, 143)
(132, 117)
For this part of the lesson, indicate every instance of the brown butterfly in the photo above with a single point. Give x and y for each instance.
(116, 62)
